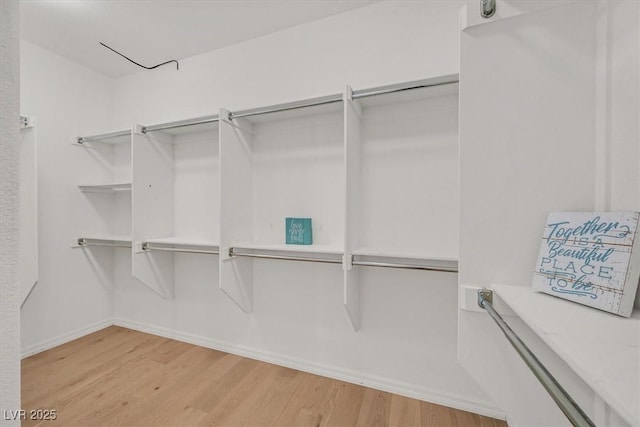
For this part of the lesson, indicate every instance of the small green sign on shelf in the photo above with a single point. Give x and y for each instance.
(299, 231)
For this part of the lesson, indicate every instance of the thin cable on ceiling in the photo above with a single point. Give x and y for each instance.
(140, 65)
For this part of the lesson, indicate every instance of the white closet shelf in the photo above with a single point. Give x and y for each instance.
(112, 241)
(334, 119)
(105, 188)
(602, 349)
(116, 137)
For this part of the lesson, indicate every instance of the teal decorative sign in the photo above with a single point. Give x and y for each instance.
(299, 231)
(591, 258)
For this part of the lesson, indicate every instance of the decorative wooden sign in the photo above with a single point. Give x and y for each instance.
(591, 258)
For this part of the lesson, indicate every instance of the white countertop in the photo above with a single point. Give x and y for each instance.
(602, 348)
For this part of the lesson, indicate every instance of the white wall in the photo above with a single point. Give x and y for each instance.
(67, 100)
(550, 102)
(380, 44)
(407, 341)
(9, 222)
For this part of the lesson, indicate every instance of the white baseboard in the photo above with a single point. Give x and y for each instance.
(376, 382)
(65, 338)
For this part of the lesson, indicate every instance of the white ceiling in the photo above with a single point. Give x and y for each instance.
(155, 31)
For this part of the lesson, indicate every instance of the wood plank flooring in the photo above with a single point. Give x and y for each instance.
(120, 377)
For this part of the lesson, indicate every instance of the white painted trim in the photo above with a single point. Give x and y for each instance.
(65, 338)
(372, 381)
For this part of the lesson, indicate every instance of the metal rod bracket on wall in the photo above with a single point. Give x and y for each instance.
(487, 8)
(485, 295)
(26, 122)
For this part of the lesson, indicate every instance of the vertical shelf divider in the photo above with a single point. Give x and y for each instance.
(28, 271)
(352, 116)
(236, 202)
(152, 206)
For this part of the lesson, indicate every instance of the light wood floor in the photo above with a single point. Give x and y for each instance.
(120, 377)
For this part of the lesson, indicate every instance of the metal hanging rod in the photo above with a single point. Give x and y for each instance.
(182, 123)
(180, 247)
(105, 188)
(400, 87)
(359, 260)
(103, 136)
(364, 93)
(233, 252)
(312, 102)
(453, 268)
(88, 241)
(567, 405)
